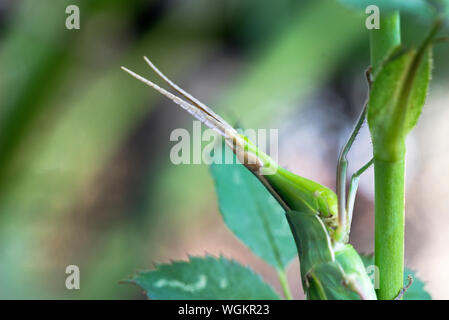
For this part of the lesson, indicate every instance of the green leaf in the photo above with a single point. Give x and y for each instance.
(397, 97)
(207, 278)
(418, 7)
(416, 290)
(312, 240)
(252, 214)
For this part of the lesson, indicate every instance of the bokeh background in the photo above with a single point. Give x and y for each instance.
(85, 173)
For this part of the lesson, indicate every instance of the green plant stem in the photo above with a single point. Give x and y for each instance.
(284, 284)
(389, 183)
(389, 227)
(385, 39)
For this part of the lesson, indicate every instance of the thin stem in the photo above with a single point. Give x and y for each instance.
(284, 284)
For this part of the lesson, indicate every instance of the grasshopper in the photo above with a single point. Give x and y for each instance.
(319, 218)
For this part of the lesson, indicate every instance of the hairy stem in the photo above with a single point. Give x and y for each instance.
(389, 183)
(389, 227)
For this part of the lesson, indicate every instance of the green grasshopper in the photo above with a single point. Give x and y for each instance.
(319, 218)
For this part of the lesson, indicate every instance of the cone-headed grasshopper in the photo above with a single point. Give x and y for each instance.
(319, 218)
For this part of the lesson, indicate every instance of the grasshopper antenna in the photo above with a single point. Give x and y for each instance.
(208, 117)
(200, 114)
(186, 95)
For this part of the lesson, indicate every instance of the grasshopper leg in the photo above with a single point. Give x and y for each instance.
(341, 175)
(353, 190)
(404, 289)
(342, 167)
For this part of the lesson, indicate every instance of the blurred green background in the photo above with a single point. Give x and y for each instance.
(85, 173)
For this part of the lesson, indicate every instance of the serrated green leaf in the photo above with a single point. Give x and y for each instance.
(252, 214)
(418, 7)
(397, 97)
(207, 278)
(415, 292)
